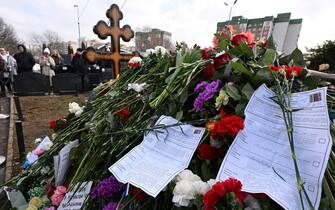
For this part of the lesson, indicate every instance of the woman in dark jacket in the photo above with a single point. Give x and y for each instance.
(25, 60)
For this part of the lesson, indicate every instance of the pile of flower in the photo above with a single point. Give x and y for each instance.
(209, 87)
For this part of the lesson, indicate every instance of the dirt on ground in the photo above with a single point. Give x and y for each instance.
(38, 111)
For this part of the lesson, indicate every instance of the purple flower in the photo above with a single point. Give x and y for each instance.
(106, 188)
(206, 92)
(110, 206)
(200, 87)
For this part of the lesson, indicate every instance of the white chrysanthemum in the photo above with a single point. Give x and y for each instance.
(187, 175)
(135, 60)
(148, 52)
(75, 109)
(183, 193)
(137, 87)
(160, 49)
(201, 187)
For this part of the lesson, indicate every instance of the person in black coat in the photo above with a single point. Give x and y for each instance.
(80, 67)
(25, 60)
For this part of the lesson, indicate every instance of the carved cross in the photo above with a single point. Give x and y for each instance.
(115, 32)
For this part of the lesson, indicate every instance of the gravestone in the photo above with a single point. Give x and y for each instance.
(29, 83)
(66, 83)
(94, 79)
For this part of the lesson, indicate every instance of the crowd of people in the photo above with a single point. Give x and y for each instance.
(23, 61)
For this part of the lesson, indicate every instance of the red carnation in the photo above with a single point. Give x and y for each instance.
(220, 189)
(221, 60)
(296, 70)
(232, 185)
(53, 124)
(229, 125)
(207, 152)
(206, 53)
(247, 37)
(208, 71)
(138, 193)
(211, 198)
(123, 113)
(274, 68)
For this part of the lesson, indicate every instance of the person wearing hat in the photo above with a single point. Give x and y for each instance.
(47, 64)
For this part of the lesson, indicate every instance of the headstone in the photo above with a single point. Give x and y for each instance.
(94, 79)
(66, 83)
(29, 83)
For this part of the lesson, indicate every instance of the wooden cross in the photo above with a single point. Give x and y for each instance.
(103, 30)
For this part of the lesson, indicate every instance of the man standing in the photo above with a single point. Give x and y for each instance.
(80, 67)
(24, 59)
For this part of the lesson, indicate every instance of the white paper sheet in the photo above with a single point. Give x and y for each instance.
(32, 158)
(156, 161)
(62, 162)
(74, 199)
(260, 155)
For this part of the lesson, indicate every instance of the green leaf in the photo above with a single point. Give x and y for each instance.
(263, 75)
(247, 91)
(297, 57)
(311, 82)
(241, 68)
(179, 115)
(245, 49)
(269, 57)
(239, 109)
(233, 92)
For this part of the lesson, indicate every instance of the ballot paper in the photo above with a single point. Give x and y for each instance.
(260, 155)
(162, 154)
(62, 162)
(74, 199)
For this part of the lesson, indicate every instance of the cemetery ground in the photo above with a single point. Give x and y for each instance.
(38, 111)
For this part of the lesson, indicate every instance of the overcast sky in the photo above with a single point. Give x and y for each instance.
(193, 21)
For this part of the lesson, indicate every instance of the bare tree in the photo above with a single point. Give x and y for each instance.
(8, 37)
(48, 38)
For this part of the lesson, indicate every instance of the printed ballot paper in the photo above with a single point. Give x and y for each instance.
(260, 155)
(162, 154)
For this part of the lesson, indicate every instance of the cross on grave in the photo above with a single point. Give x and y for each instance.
(103, 30)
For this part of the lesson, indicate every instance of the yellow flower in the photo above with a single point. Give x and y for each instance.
(222, 99)
(35, 201)
(32, 208)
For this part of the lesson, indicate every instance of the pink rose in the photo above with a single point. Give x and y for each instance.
(58, 195)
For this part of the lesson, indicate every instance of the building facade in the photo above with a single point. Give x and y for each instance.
(284, 30)
(151, 39)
